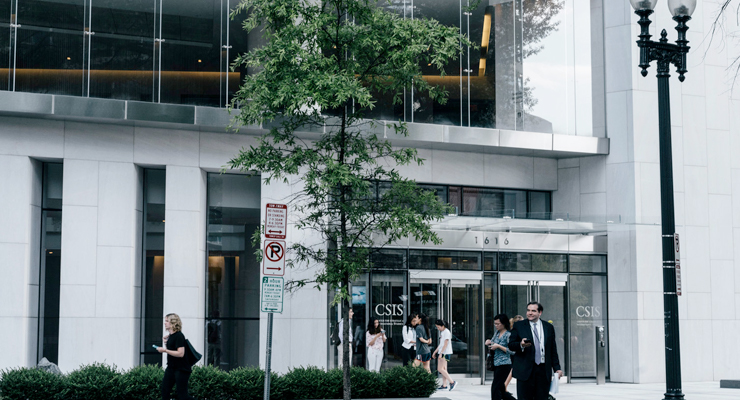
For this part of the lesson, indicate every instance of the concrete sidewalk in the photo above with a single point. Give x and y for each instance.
(610, 391)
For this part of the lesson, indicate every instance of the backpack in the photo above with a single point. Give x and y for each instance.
(191, 356)
(335, 336)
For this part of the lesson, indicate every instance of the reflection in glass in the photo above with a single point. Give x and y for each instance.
(232, 308)
(549, 262)
(389, 300)
(514, 261)
(490, 261)
(490, 307)
(191, 52)
(359, 320)
(49, 47)
(5, 50)
(496, 203)
(153, 264)
(584, 263)
(50, 262)
(432, 259)
(587, 311)
(388, 259)
(122, 49)
(425, 110)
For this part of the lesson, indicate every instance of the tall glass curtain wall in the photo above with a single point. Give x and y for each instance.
(152, 277)
(532, 69)
(232, 299)
(173, 51)
(571, 287)
(50, 262)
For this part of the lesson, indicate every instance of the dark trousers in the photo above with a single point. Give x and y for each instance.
(537, 387)
(176, 378)
(408, 355)
(498, 388)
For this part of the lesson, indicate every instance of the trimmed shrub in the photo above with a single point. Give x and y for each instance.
(209, 383)
(366, 384)
(30, 384)
(409, 381)
(142, 383)
(249, 384)
(312, 383)
(93, 382)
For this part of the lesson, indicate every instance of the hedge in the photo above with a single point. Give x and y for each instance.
(100, 381)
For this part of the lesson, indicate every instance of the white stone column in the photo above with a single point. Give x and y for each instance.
(100, 266)
(20, 219)
(184, 250)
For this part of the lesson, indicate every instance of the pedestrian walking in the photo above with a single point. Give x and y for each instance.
(535, 355)
(340, 349)
(516, 318)
(501, 357)
(443, 353)
(423, 338)
(178, 369)
(409, 340)
(375, 338)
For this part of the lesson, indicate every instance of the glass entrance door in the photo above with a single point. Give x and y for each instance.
(518, 289)
(458, 302)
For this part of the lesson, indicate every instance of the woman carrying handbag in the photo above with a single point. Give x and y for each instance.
(501, 358)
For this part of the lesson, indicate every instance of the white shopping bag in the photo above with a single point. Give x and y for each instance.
(554, 384)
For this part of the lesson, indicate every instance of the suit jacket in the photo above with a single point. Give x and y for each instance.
(524, 359)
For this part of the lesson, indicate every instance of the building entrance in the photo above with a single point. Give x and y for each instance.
(519, 288)
(458, 302)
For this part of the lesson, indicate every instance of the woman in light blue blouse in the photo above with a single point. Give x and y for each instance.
(501, 357)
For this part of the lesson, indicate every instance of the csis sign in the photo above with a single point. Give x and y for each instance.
(588, 312)
(389, 310)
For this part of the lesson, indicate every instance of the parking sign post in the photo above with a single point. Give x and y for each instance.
(273, 269)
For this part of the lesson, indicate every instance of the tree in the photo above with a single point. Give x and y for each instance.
(334, 57)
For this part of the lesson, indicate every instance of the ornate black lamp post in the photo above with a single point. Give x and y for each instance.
(666, 54)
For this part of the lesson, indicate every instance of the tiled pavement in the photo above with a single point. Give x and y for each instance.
(610, 391)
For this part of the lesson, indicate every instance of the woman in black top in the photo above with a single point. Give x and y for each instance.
(178, 370)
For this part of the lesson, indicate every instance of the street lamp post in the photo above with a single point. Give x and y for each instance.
(666, 54)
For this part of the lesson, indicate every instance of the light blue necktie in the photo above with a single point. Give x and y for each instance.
(537, 352)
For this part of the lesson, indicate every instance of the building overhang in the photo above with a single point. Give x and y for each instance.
(185, 117)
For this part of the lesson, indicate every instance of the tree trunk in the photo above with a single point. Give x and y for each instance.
(346, 345)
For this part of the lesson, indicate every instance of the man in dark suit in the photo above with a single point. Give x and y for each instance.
(536, 355)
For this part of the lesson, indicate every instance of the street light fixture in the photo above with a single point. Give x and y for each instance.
(666, 54)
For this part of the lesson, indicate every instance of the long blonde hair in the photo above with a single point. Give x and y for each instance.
(175, 322)
(515, 319)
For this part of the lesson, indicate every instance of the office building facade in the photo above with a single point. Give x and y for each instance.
(114, 209)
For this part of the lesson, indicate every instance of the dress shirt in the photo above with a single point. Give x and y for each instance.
(537, 330)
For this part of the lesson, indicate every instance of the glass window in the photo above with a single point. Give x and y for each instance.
(490, 307)
(360, 305)
(122, 49)
(153, 263)
(490, 261)
(5, 50)
(426, 110)
(49, 47)
(515, 261)
(455, 198)
(584, 263)
(534, 72)
(549, 262)
(495, 203)
(191, 52)
(539, 205)
(232, 308)
(389, 301)
(587, 311)
(434, 259)
(50, 262)
(388, 259)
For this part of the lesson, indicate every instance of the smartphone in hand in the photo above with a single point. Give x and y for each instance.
(155, 346)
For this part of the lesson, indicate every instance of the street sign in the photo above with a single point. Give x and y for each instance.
(272, 294)
(276, 220)
(677, 253)
(273, 258)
